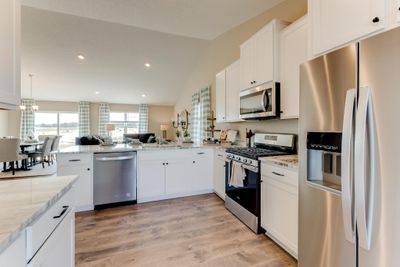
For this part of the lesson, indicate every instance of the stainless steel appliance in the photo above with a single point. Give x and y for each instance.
(244, 201)
(348, 211)
(114, 179)
(261, 102)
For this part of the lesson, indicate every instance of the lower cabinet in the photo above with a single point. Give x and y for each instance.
(59, 248)
(174, 173)
(81, 165)
(279, 205)
(219, 173)
(12, 255)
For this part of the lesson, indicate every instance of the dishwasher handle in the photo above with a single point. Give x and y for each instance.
(115, 158)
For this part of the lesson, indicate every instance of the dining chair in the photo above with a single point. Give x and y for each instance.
(44, 152)
(54, 147)
(10, 153)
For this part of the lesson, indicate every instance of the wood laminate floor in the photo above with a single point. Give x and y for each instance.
(192, 231)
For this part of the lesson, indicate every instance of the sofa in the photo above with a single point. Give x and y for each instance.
(89, 140)
(142, 137)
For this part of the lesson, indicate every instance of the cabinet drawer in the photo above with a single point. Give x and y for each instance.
(280, 174)
(40, 230)
(74, 159)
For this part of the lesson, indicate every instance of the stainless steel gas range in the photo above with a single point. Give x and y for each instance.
(243, 197)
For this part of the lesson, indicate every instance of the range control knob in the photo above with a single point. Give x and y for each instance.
(245, 160)
(250, 161)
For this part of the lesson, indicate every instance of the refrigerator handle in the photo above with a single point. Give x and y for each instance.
(347, 163)
(366, 172)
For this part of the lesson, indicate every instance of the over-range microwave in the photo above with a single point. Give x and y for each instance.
(261, 102)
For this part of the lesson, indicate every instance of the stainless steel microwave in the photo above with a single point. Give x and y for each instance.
(261, 102)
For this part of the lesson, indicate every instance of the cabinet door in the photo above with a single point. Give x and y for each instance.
(264, 55)
(294, 49)
(247, 69)
(279, 212)
(15, 254)
(177, 176)
(151, 179)
(233, 92)
(83, 187)
(219, 177)
(220, 96)
(335, 23)
(10, 53)
(59, 248)
(202, 171)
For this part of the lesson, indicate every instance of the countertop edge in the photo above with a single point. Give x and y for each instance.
(6, 242)
(276, 161)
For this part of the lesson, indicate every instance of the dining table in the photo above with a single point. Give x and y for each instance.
(25, 144)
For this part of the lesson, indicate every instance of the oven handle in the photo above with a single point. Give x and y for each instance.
(264, 101)
(247, 167)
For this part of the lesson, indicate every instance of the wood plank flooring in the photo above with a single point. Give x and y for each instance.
(192, 231)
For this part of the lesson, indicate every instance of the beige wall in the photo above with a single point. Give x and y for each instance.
(157, 115)
(224, 50)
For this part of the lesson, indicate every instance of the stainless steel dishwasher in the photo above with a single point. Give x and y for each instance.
(114, 179)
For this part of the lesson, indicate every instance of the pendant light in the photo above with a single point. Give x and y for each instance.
(34, 106)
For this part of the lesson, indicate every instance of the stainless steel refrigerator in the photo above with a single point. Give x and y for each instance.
(349, 190)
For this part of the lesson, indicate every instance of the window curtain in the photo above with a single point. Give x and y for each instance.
(104, 118)
(27, 127)
(201, 105)
(143, 118)
(84, 118)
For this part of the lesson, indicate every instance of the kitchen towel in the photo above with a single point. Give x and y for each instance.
(238, 175)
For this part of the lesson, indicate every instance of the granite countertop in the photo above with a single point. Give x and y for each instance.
(129, 148)
(23, 200)
(290, 161)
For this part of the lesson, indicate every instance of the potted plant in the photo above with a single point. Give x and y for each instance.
(186, 136)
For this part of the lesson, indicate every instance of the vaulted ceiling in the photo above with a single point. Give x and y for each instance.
(117, 37)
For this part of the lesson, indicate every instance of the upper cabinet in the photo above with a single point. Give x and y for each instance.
(227, 94)
(10, 70)
(259, 56)
(334, 23)
(294, 51)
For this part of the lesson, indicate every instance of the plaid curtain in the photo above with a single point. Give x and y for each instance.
(27, 127)
(84, 118)
(104, 118)
(143, 118)
(201, 105)
(195, 124)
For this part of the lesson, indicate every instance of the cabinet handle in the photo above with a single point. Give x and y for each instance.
(375, 20)
(166, 163)
(88, 169)
(200, 153)
(65, 208)
(194, 161)
(73, 160)
(279, 174)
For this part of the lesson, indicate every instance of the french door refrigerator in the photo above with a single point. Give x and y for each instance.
(349, 132)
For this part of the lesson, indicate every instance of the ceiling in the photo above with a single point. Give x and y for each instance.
(114, 60)
(204, 19)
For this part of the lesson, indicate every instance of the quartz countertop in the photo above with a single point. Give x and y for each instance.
(129, 148)
(23, 200)
(290, 161)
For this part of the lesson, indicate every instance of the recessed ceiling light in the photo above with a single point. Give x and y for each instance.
(97, 92)
(81, 57)
(143, 95)
(147, 65)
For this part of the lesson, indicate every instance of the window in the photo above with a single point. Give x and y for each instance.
(125, 123)
(65, 124)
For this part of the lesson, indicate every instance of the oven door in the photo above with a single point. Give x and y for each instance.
(259, 102)
(248, 195)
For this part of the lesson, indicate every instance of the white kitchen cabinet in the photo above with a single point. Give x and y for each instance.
(336, 23)
(228, 94)
(294, 51)
(59, 248)
(10, 69)
(279, 205)
(220, 96)
(260, 55)
(14, 254)
(219, 173)
(81, 165)
(174, 173)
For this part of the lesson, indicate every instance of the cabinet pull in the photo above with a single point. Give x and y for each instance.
(73, 160)
(65, 208)
(375, 20)
(200, 153)
(194, 161)
(88, 169)
(279, 174)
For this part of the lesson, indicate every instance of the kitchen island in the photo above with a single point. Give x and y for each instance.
(27, 208)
